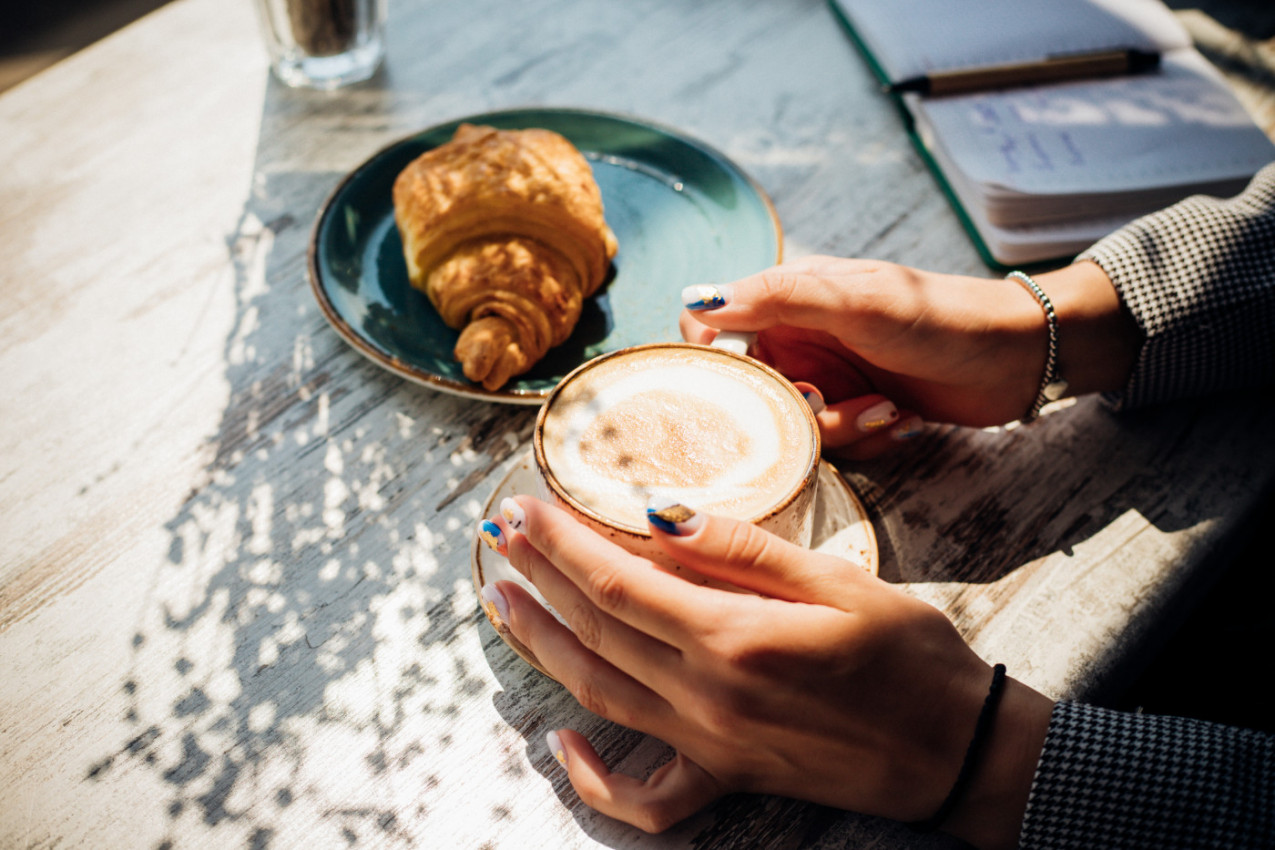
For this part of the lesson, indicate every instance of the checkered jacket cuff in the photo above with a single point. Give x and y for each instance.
(1199, 278)
(1112, 779)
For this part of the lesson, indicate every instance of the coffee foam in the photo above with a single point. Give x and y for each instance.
(696, 427)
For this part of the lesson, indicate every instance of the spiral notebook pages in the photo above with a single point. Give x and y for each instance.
(1040, 172)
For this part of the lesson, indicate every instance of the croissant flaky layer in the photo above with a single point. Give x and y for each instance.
(504, 232)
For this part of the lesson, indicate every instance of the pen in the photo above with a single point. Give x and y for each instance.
(1051, 69)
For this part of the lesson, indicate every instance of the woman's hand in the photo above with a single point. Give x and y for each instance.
(823, 684)
(950, 348)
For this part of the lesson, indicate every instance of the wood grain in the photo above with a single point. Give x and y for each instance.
(235, 606)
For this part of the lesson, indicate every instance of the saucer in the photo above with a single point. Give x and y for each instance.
(841, 528)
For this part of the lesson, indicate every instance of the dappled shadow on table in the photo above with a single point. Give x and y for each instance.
(308, 642)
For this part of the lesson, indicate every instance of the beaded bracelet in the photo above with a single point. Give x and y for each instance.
(1052, 385)
(974, 752)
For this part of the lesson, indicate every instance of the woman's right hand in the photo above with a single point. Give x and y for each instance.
(823, 683)
(952, 348)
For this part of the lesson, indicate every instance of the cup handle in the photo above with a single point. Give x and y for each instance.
(737, 342)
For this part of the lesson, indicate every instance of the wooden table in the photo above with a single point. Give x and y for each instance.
(235, 598)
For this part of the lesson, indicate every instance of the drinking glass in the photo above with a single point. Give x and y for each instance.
(323, 44)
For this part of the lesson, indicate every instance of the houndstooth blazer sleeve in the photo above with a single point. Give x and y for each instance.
(1199, 278)
(1144, 782)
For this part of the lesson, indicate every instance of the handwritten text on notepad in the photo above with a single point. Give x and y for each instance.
(1107, 136)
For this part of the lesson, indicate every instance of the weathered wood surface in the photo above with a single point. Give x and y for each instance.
(235, 606)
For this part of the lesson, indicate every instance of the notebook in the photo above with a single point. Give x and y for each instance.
(1039, 173)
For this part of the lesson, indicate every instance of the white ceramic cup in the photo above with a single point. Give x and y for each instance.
(682, 399)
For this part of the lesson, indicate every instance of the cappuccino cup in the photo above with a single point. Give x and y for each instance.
(701, 426)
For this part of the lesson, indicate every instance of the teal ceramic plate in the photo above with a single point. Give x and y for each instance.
(682, 213)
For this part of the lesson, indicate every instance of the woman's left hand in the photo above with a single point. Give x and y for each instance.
(823, 684)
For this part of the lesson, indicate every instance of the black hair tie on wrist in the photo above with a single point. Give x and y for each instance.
(973, 753)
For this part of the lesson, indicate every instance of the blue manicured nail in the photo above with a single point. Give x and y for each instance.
(673, 517)
(705, 296)
(908, 428)
(494, 536)
(815, 400)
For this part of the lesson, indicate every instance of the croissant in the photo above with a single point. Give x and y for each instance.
(503, 230)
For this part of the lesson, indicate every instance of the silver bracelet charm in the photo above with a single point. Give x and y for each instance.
(1052, 385)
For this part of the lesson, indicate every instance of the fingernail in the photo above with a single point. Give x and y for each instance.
(877, 416)
(495, 605)
(705, 296)
(554, 740)
(908, 428)
(673, 517)
(494, 536)
(513, 514)
(815, 400)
